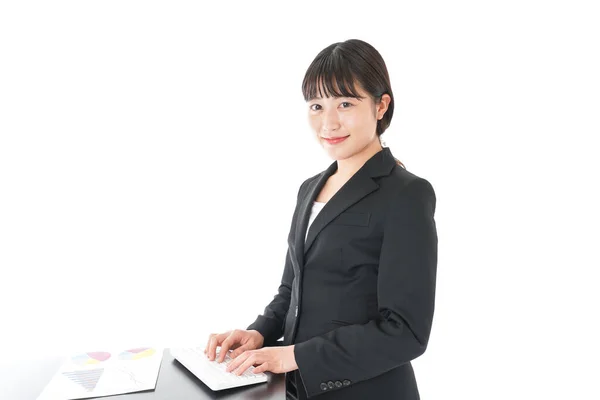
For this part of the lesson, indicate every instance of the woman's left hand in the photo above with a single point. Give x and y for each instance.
(278, 359)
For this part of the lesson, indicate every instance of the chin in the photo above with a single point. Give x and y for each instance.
(338, 154)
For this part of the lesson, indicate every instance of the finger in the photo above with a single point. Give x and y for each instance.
(239, 351)
(214, 342)
(238, 361)
(251, 360)
(261, 368)
(208, 343)
(230, 340)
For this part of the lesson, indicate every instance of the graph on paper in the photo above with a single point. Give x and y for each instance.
(92, 358)
(104, 373)
(136, 354)
(87, 378)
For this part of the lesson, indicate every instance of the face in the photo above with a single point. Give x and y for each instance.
(346, 117)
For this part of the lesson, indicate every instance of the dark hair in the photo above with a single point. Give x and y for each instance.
(342, 64)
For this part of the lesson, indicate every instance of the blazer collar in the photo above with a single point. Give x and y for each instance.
(357, 187)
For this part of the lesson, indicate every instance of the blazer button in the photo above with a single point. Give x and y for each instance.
(338, 384)
(347, 382)
(323, 386)
(330, 384)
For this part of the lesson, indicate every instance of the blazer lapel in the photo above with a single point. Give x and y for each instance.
(357, 187)
(305, 208)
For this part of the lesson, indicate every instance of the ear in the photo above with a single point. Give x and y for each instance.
(382, 106)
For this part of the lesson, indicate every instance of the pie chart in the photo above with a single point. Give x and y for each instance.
(94, 357)
(136, 354)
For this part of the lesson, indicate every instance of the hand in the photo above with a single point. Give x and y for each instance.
(241, 340)
(278, 359)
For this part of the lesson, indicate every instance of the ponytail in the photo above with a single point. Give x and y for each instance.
(398, 162)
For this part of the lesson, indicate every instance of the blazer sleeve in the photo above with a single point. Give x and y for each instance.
(405, 293)
(271, 323)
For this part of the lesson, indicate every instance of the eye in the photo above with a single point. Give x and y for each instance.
(349, 104)
(311, 107)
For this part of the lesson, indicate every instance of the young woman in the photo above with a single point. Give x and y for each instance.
(356, 299)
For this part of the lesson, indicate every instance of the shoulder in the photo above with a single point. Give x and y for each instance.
(405, 186)
(306, 182)
(403, 179)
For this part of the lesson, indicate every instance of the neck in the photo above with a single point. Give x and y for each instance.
(348, 166)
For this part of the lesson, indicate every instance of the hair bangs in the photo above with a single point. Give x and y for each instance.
(329, 76)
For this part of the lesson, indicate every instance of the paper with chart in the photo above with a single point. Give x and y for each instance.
(105, 373)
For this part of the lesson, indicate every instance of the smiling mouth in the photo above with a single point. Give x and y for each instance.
(336, 140)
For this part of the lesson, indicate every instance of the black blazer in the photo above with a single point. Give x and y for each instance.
(357, 299)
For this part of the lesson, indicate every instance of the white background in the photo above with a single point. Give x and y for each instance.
(151, 153)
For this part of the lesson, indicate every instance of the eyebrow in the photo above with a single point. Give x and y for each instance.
(335, 97)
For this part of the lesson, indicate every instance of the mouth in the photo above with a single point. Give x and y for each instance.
(336, 140)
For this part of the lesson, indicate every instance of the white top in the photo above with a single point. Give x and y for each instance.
(316, 208)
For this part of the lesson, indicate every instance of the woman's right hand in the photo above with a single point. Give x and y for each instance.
(238, 340)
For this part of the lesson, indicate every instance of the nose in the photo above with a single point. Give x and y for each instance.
(330, 121)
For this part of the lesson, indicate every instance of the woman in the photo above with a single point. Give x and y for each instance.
(356, 299)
